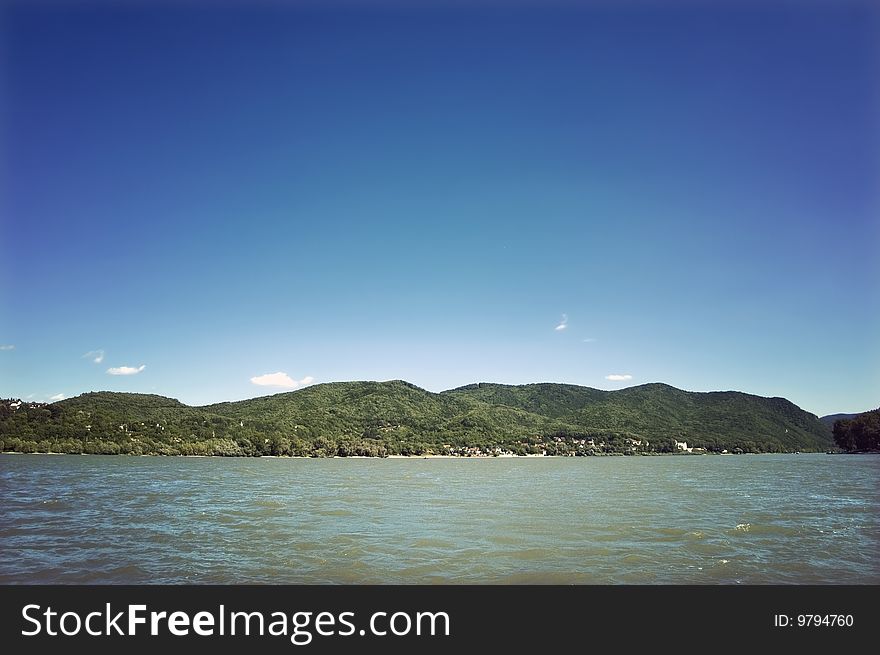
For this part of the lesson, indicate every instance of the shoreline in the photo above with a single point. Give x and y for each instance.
(432, 456)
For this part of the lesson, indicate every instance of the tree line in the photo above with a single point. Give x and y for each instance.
(396, 418)
(860, 433)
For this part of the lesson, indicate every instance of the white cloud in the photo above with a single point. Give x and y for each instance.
(56, 397)
(617, 377)
(97, 356)
(126, 370)
(562, 324)
(590, 340)
(8, 347)
(280, 379)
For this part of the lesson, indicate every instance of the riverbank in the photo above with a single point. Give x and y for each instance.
(434, 456)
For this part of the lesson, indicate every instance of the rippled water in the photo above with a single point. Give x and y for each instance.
(750, 519)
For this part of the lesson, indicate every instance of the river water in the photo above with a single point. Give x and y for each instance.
(748, 519)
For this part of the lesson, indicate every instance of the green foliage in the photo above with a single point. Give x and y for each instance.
(860, 433)
(376, 419)
(715, 421)
(831, 419)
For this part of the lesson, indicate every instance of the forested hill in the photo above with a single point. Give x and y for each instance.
(831, 419)
(858, 432)
(383, 418)
(715, 420)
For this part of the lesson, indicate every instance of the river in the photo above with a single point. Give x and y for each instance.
(739, 519)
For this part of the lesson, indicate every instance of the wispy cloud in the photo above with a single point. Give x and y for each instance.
(589, 340)
(9, 346)
(126, 370)
(281, 379)
(97, 356)
(619, 377)
(562, 324)
(57, 397)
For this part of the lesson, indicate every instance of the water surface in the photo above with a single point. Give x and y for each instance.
(751, 519)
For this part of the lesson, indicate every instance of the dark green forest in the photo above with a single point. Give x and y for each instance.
(378, 419)
(861, 433)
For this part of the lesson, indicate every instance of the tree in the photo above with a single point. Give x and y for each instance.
(861, 433)
(843, 434)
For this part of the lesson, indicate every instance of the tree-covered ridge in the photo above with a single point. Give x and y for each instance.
(396, 417)
(831, 419)
(861, 433)
(545, 399)
(714, 421)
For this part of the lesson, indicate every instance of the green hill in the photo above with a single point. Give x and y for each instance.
(831, 419)
(715, 421)
(396, 417)
(859, 433)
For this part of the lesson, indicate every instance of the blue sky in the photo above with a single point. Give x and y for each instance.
(203, 197)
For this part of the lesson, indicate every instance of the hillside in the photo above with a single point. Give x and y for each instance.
(714, 420)
(831, 419)
(396, 417)
(401, 416)
(860, 433)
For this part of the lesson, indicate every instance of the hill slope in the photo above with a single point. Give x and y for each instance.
(861, 433)
(381, 418)
(831, 419)
(658, 411)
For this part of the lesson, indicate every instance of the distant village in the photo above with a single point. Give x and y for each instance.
(571, 447)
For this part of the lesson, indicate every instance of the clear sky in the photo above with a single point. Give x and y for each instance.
(196, 198)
